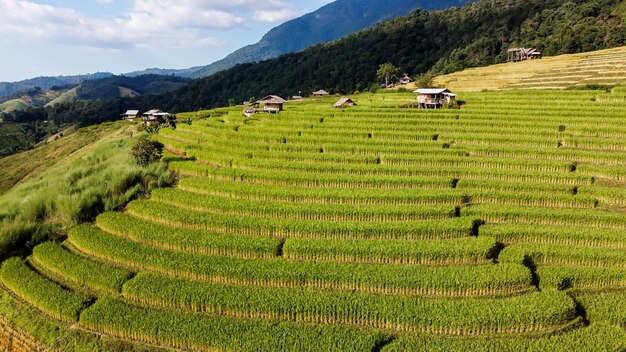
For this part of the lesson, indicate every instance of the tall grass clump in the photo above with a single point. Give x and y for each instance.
(104, 179)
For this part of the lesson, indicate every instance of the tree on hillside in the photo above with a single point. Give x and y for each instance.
(147, 151)
(386, 71)
(426, 80)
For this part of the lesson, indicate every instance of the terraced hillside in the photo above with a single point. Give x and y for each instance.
(607, 67)
(499, 227)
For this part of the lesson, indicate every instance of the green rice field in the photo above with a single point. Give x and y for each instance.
(499, 226)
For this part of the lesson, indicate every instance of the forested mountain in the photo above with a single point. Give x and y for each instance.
(328, 23)
(440, 41)
(122, 86)
(46, 83)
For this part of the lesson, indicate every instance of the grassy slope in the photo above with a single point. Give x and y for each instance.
(15, 104)
(64, 97)
(32, 163)
(599, 67)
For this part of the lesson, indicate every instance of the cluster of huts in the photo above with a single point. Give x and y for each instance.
(273, 104)
(397, 81)
(427, 98)
(149, 118)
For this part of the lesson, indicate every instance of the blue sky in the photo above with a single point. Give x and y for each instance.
(65, 37)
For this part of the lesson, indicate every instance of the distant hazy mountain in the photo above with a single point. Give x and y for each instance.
(326, 24)
(45, 83)
(187, 72)
(109, 87)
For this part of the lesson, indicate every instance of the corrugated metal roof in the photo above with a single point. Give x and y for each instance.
(432, 91)
(321, 92)
(132, 112)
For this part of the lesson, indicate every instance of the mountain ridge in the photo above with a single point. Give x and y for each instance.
(330, 22)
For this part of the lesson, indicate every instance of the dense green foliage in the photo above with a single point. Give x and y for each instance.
(207, 332)
(52, 299)
(426, 280)
(522, 314)
(601, 307)
(597, 337)
(109, 88)
(81, 273)
(147, 151)
(73, 192)
(186, 240)
(15, 137)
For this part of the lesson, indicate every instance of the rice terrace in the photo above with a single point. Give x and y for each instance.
(497, 226)
(330, 222)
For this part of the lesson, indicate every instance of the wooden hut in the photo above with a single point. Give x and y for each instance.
(435, 98)
(271, 104)
(405, 79)
(130, 115)
(522, 54)
(320, 93)
(344, 103)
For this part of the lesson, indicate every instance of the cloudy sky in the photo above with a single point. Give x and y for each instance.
(63, 37)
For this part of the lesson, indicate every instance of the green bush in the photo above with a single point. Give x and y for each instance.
(147, 151)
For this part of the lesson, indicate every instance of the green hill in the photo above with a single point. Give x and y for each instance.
(14, 104)
(497, 225)
(46, 83)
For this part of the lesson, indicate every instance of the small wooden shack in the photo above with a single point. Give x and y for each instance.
(344, 103)
(271, 104)
(522, 54)
(320, 93)
(405, 79)
(434, 98)
(130, 115)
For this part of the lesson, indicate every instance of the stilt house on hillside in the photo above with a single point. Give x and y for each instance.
(272, 104)
(153, 116)
(344, 103)
(522, 54)
(434, 98)
(320, 93)
(130, 115)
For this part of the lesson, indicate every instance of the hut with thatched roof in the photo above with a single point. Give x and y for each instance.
(344, 103)
(405, 79)
(271, 104)
(320, 93)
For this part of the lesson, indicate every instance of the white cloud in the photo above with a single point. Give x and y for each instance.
(147, 24)
(279, 15)
(104, 2)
